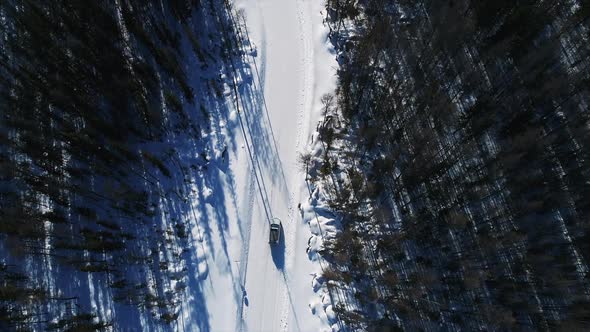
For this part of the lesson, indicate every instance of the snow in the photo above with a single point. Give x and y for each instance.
(289, 66)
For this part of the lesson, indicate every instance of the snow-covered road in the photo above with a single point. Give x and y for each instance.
(244, 283)
(291, 67)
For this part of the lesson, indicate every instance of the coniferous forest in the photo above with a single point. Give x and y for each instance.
(96, 100)
(456, 150)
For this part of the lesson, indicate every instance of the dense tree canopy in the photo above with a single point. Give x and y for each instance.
(462, 167)
(93, 95)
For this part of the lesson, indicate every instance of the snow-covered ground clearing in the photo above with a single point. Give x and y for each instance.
(288, 66)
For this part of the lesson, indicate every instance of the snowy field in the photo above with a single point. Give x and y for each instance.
(289, 65)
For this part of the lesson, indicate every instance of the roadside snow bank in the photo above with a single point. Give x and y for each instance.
(323, 225)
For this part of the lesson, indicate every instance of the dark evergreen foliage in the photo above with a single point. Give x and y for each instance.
(81, 107)
(468, 205)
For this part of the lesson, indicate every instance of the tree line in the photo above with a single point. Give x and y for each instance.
(457, 153)
(86, 89)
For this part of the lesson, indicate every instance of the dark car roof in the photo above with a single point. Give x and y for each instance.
(274, 236)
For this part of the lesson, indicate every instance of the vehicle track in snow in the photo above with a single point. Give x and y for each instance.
(274, 295)
(278, 122)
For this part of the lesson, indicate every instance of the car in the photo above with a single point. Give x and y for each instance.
(275, 231)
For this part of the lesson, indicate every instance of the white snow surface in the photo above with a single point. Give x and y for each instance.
(251, 285)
